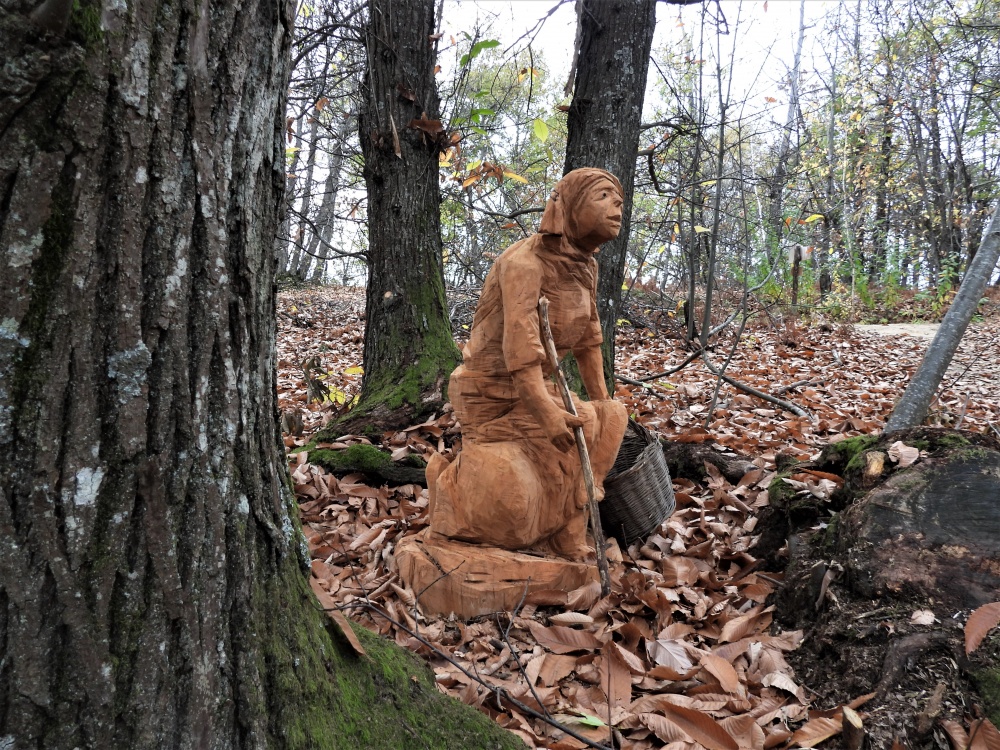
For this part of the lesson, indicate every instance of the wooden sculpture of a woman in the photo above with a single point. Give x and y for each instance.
(517, 482)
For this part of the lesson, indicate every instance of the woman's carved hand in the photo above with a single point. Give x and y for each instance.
(559, 428)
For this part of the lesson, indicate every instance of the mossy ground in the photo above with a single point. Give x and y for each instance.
(987, 683)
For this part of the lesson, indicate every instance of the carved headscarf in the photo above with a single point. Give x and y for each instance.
(561, 210)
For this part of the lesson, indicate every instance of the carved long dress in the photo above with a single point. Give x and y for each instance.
(509, 485)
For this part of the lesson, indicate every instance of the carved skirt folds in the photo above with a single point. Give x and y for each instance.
(509, 486)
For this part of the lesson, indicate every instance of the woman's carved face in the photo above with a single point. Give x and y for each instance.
(599, 216)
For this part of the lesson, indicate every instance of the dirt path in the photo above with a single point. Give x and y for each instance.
(917, 330)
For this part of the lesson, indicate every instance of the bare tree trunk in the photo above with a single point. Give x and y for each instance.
(913, 406)
(305, 207)
(322, 232)
(775, 223)
(145, 516)
(408, 351)
(153, 589)
(604, 118)
(283, 240)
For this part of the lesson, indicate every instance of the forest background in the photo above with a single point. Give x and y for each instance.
(863, 135)
(156, 588)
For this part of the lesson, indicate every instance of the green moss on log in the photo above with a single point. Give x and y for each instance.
(779, 492)
(846, 453)
(358, 457)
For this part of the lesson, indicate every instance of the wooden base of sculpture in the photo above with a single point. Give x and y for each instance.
(475, 579)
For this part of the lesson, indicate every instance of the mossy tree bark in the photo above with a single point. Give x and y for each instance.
(613, 43)
(408, 349)
(152, 591)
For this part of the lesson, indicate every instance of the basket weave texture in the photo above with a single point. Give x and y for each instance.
(638, 493)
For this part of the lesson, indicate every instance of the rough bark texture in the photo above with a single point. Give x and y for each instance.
(408, 351)
(604, 118)
(151, 584)
(916, 400)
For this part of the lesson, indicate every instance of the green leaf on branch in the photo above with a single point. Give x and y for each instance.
(477, 48)
(540, 129)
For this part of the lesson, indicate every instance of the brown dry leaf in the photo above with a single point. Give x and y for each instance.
(957, 735)
(555, 668)
(777, 737)
(861, 700)
(563, 640)
(663, 728)
(980, 623)
(678, 571)
(337, 616)
(571, 618)
(747, 733)
(723, 671)
(616, 679)
(815, 731)
(903, 454)
(984, 736)
(897, 745)
(630, 660)
(740, 627)
(700, 727)
(784, 682)
(584, 597)
(669, 653)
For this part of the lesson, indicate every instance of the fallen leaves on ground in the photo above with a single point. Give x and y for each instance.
(681, 653)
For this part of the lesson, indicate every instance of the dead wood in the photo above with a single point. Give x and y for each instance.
(688, 460)
(903, 652)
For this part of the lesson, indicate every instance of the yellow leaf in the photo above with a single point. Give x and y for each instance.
(514, 176)
(811, 218)
(700, 229)
(354, 371)
(540, 130)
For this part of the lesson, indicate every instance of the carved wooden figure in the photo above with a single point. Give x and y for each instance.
(517, 483)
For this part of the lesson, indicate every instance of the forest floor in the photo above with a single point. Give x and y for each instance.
(684, 650)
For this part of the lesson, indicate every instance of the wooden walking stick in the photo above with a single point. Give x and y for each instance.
(581, 446)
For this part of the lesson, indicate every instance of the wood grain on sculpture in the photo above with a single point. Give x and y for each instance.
(509, 513)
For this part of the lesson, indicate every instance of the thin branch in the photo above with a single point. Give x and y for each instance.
(640, 384)
(786, 405)
(687, 360)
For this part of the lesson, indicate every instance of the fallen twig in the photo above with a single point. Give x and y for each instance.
(640, 384)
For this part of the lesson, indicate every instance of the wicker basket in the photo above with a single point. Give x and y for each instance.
(638, 493)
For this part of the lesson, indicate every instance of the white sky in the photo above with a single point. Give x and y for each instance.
(764, 33)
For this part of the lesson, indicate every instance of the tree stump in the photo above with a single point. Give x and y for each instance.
(883, 575)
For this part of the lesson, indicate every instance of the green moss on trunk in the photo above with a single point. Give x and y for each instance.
(319, 694)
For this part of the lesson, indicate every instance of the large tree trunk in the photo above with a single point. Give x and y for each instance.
(916, 400)
(151, 584)
(408, 350)
(145, 511)
(604, 117)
